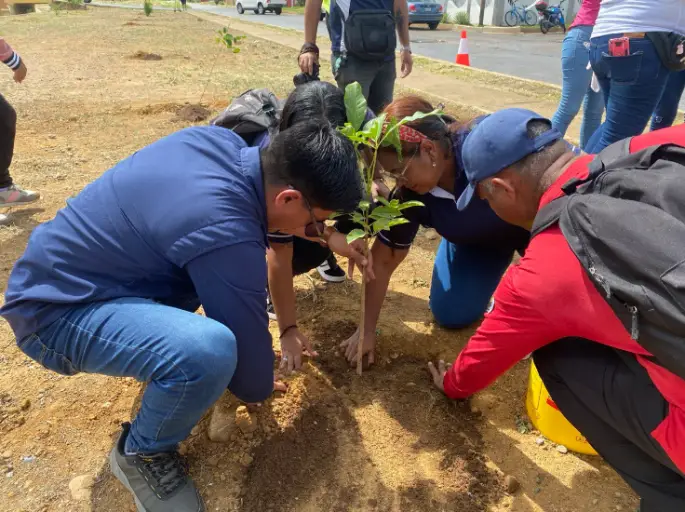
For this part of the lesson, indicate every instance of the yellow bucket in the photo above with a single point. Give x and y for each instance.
(547, 418)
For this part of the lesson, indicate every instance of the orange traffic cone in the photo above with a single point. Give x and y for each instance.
(463, 51)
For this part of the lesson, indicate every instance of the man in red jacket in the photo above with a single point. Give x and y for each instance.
(630, 409)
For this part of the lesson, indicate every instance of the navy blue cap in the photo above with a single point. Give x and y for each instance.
(497, 142)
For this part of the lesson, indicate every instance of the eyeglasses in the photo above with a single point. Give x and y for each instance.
(400, 178)
(315, 227)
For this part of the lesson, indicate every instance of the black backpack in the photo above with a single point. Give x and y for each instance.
(626, 225)
(251, 114)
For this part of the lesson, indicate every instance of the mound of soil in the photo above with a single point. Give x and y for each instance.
(192, 113)
(141, 55)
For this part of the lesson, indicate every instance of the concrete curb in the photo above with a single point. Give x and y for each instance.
(488, 30)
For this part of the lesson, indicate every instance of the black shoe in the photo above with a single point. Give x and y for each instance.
(159, 482)
(331, 271)
(270, 307)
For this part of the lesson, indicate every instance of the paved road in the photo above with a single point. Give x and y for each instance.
(524, 55)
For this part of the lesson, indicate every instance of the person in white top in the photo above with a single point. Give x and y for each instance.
(635, 46)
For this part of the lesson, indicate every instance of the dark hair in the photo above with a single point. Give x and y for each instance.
(436, 128)
(314, 101)
(316, 159)
(538, 163)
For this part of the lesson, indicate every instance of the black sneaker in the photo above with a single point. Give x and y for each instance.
(159, 482)
(270, 307)
(331, 271)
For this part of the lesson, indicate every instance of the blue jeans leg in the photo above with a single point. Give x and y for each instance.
(464, 279)
(187, 360)
(667, 108)
(576, 86)
(632, 87)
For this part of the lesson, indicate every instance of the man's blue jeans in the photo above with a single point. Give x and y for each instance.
(667, 109)
(575, 88)
(187, 360)
(464, 279)
(632, 87)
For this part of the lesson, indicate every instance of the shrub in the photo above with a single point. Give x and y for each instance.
(147, 7)
(462, 18)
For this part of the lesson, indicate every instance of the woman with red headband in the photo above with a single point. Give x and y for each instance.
(477, 246)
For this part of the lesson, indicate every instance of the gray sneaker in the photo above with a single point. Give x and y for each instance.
(5, 220)
(159, 481)
(14, 195)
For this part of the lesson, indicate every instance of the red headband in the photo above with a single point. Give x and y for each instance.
(409, 134)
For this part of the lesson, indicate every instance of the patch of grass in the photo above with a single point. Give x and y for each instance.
(462, 18)
(294, 10)
(147, 7)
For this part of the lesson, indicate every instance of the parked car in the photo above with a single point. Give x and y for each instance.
(425, 11)
(260, 6)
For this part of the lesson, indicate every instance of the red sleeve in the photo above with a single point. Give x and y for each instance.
(674, 134)
(514, 328)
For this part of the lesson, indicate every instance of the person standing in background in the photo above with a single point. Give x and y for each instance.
(630, 49)
(10, 194)
(364, 34)
(576, 76)
(667, 109)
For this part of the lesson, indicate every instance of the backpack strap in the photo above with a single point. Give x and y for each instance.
(608, 155)
(548, 215)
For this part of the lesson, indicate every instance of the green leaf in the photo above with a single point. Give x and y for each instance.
(358, 218)
(384, 201)
(385, 212)
(374, 128)
(355, 105)
(236, 50)
(419, 115)
(364, 205)
(355, 234)
(392, 137)
(398, 221)
(410, 204)
(380, 225)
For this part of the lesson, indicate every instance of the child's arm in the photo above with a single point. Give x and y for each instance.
(12, 59)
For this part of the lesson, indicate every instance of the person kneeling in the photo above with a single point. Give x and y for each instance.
(110, 284)
(628, 401)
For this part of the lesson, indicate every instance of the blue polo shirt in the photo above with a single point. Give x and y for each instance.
(476, 225)
(182, 222)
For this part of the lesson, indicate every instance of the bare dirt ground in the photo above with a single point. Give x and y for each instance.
(385, 442)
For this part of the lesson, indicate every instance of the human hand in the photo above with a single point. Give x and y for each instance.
(350, 345)
(438, 373)
(354, 252)
(307, 61)
(20, 73)
(293, 344)
(407, 63)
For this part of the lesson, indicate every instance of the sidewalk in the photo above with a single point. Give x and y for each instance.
(481, 92)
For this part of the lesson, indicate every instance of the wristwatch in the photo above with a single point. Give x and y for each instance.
(406, 49)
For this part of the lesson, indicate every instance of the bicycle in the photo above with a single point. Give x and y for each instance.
(519, 15)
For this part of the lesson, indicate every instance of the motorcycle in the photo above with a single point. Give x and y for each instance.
(550, 16)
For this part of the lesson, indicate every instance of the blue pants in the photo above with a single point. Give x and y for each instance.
(575, 89)
(464, 279)
(632, 87)
(187, 360)
(667, 109)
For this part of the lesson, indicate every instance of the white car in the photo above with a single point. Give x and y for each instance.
(260, 6)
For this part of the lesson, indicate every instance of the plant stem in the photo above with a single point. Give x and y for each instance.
(362, 327)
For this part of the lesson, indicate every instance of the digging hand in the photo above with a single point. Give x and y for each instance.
(293, 345)
(438, 373)
(350, 345)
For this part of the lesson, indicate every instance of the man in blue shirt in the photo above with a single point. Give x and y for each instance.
(111, 283)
